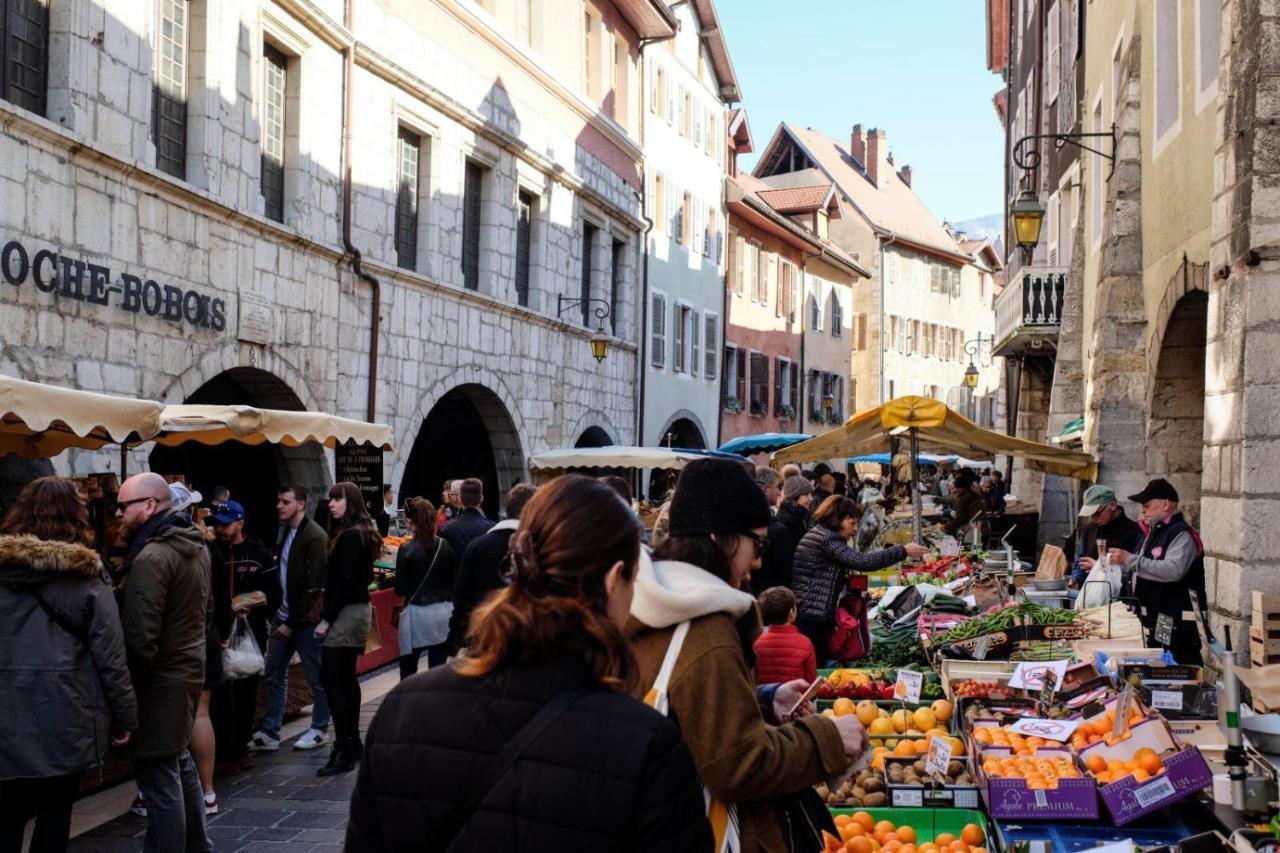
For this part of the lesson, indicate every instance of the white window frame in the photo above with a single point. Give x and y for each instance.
(1053, 35)
(730, 356)
(1053, 213)
(682, 326)
(836, 313)
(784, 391)
(1162, 140)
(1097, 207)
(1207, 94)
(712, 351)
(654, 296)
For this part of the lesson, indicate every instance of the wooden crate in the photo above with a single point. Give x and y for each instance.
(1263, 651)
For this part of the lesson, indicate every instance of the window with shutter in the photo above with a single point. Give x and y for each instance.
(729, 388)
(274, 82)
(710, 344)
(695, 335)
(471, 219)
(815, 395)
(678, 362)
(817, 305)
(24, 53)
(740, 380)
(658, 330)
(759, 383)
(525, 203)
(837, 314)
(794, 396)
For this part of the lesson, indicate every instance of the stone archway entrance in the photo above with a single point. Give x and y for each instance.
(468, 433)
(254, 474)
(1175, 425)
(593, 437)
(684, 433)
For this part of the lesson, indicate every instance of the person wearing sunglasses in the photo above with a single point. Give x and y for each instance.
(692, 611)
(1101, 519)
(823, 563)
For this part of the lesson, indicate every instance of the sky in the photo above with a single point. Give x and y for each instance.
(914, 68)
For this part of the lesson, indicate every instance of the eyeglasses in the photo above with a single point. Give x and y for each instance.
(761, 542)
(120, 505)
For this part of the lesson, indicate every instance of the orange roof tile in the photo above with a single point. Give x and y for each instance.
(796, 198)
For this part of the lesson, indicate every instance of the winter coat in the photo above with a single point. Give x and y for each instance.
(427, 572)
(775, 562)
(482, 571)
(797, 519)
(740, 758)
(608, 774)
(62, 698)
(965, 504)
(348, 574)
(166, 601)
(305, 579)
(822, 566)
(252, 568)
(784, 654)
(464, 528)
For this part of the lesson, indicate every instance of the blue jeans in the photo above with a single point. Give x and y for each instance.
(279, 653)
(175, 804)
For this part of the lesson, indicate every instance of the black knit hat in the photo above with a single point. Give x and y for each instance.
(717, 496)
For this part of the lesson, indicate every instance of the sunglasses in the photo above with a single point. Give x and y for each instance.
(120, 505)
(761, 542)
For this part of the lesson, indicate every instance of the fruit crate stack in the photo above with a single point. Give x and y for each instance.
(1264, 633)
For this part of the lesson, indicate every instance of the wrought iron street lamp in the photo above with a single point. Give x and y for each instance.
(971, 376)
(599, 338)
(973, 349)
(1028, 217)
(1027, 211)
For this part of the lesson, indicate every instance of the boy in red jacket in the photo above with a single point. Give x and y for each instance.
(782, 652)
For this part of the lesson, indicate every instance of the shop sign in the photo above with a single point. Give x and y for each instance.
(68, 277)
(360, 464)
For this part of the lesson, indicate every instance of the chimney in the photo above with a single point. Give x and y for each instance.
(877, 162)
(858, 144)
(905, 174)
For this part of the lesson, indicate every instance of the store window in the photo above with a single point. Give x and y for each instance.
(24, 53)
(169, 101)
(275, 77)
(408, 151)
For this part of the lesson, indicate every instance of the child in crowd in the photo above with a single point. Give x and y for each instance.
(782, 652)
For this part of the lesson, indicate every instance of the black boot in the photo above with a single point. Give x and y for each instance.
(356, 748)
(341, 760)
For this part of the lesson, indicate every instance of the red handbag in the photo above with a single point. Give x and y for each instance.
(851, 637)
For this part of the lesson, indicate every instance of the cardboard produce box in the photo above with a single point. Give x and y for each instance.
(929, 794)
(1073, 799)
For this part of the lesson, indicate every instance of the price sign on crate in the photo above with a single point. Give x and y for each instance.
(908, 686)
(939, 757)
(1030, 675)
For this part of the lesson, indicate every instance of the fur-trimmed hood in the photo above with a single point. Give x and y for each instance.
(29, 560)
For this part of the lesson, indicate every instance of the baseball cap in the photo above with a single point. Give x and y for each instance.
(227, 513)
(181, 497)
(1157, 488)
(1095, 498)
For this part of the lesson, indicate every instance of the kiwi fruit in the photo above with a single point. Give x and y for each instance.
(954, 768)
(874, 800)
(918, 767)
(872, 785)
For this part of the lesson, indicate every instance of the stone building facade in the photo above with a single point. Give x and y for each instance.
(175, 224)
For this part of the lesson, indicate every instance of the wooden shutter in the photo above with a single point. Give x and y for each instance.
(815, 399)
(860, 332)
(678, 363)
(658, 330)
(759, 383)
(471, 189)
(696, 333)
(740, 391)
(795, 389)
(711, 344)
(779, 372)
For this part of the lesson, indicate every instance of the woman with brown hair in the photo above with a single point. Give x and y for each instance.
(354, 544)
(824, 562)
(426, 568)
(62, 660)
(531, 740)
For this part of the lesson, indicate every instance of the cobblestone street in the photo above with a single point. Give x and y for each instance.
(279, 805)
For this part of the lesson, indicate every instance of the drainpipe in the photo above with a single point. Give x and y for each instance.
(642, 363)
(884, 274)
(350, 251)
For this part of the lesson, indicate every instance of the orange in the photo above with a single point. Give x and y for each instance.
(927, 847)
(1096, 763)
(1141, 775)
(858, 844)
(884, 827)
(1146, 750)
(905, 747)
(842, 820)
(958, 846)
(1115, 766)
(843, 707)
(924, 719)
(891, 844)
(972, 834)
(1151, 763)
(901, 720)
(943, 840)
(867, 712)
(865, 818)
(907, 834)
(1104, 778)
(942, 709)
(833, 844)
(880, 726)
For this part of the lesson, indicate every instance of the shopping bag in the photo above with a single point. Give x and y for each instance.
(1093, 593)
(242, 657)
(373, 640)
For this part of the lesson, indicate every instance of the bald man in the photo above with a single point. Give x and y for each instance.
(165, 601)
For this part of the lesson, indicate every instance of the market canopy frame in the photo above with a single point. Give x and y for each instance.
(938, 429)
(218, 424)
(39, 421)
(620, 456)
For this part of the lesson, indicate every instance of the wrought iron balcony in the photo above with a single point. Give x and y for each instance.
(1029, 311)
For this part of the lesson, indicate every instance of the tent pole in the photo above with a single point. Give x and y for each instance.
(124, 462)
(915, 491)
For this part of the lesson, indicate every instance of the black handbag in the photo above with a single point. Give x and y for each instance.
(803, 817)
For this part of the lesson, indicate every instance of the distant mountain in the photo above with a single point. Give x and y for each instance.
(991, 227)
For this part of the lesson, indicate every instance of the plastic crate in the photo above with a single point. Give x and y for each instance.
(928, 823)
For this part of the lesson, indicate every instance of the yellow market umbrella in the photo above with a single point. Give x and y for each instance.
(40, 421)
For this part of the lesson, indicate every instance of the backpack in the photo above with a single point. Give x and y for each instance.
(851, 637)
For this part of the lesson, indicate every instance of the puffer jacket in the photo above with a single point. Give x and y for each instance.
(62, 698)
(608, 774)
(166, 602)
(784, 654)
(822, 565)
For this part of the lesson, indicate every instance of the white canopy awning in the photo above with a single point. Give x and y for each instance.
(250, 425)
(39, 420)
(620, 456)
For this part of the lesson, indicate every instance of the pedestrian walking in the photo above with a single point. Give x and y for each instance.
(354, 544)
(469, 524)
(533, 736)
(254, 585)
(62, 659)
(693, 627)
(782, 653)
(484, 567)
(775, 569)
(165, 587)
(426, 570)
(824, 561)
(302, 546)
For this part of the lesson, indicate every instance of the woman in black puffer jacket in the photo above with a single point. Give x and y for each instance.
(823, 563)
(600, 772)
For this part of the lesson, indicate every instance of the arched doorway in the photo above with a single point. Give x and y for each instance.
(1175, 427)
(468, 433)
(254, 474)
(593, 437)
(681, 432)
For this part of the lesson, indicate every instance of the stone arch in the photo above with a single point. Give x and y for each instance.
(228, 357)
(693, 421)
(468, 431)
(594, 436)
(1176, 382)
(593, 420)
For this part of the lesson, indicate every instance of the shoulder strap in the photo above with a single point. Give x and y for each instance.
(657, 695)
(427, 576)
(511, 753)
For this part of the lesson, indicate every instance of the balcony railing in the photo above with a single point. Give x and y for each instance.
(1029, 310)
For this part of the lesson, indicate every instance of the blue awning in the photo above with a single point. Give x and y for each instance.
(765, 442)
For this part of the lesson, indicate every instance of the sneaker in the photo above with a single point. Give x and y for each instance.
(262, 742)
(211, 803)
(139, 806)
(311, 739)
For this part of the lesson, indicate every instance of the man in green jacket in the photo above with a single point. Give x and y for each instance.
(166, 600)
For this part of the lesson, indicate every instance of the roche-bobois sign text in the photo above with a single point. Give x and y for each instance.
(68, 277)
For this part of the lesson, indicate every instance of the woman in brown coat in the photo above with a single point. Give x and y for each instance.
(692, 595)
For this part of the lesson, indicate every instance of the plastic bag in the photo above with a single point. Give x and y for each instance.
(242, 657)
(1093, 593)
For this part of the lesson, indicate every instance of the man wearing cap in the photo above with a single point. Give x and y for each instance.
(1167, 569)
(1101, 519)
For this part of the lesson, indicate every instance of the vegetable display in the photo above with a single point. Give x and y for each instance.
(1006, 618)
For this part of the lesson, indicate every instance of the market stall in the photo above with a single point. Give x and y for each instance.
(765, 442)
(40, 421)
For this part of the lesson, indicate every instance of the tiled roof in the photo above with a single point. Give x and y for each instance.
(753, 189)
(796, 198)
(893, 207)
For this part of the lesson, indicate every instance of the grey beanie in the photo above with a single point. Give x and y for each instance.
(796, 486)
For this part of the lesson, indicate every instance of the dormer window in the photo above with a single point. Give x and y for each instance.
(822, 224)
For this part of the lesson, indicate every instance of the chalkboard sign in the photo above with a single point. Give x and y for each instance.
(361, 464)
